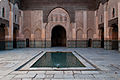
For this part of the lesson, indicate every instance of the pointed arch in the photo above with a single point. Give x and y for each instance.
(60, 12)
(27, 34)
(58, 36)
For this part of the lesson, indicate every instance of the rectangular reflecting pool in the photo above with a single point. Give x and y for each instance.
(58, 60)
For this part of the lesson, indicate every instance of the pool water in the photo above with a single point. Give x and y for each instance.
(58, 59)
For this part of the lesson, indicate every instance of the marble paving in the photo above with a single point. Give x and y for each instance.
(108, 61)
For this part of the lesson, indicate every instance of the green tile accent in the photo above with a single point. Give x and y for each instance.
(8, 45)
(96, 43)
(21, 44)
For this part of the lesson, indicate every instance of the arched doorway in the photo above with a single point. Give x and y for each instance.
(90, 43)
(27, 42)
(90, 37)
(58, 37)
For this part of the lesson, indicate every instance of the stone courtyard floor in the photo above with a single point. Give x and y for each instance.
(108, 61)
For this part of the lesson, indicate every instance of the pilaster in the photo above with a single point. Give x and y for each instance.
(21, 43)
(107, 42)
(32, 41)
(85, 25)
(83, 43)
(96, 41)
(9, 41)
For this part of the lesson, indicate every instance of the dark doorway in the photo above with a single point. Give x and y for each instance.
(15, 38)
(27, 42)
(115, 37)
(58, 37)
(90, 43)
(102, 37)
(2, 37)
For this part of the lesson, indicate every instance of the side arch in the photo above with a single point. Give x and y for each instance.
(27, 34)
(90, 37)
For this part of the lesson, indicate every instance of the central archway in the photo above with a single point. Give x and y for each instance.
(58, 38)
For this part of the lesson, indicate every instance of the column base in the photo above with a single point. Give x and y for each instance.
(8, 45)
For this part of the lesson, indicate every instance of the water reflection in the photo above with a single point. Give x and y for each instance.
(59, 59)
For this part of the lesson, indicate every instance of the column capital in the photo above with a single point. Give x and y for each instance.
(106, 6)
(11, 6)
(96, 13)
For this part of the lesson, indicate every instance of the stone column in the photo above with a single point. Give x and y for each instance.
(85, 28)
(119, 25)
(20, 22)
(9, 43)
(46, 39)
(71, 42)
(96, 24)
(96, 41)
(107, 42)
(21, 43)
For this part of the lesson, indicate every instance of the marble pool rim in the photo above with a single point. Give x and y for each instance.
(35, 58)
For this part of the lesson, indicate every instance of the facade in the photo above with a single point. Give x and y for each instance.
(73, 27)
(9, 24)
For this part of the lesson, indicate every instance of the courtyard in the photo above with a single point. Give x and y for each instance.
(106, 62)
(59, 40)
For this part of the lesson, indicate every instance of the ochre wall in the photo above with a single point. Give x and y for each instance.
(83, 25)
(33, 24)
